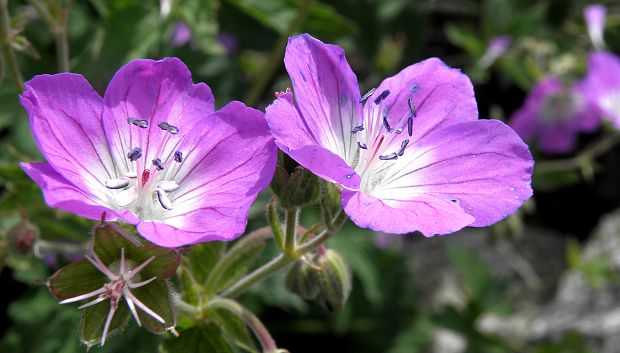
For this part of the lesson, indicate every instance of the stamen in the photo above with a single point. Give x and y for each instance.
(116, 183)
(141, 123)
(382, 96)
(178, 156)
(168, 186)
(145, 176)
(403, 145)
(410, 125)
(362, 145)
(386, 124)
(164, 201)
(357, 129)
(134, 154)
(157, 163)
(388, 157)
(368, 94)
(131, 175)
(412, 108)
(168, 127)
(399, 130)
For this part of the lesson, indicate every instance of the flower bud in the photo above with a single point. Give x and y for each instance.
(334, 280)
(303, 188)
(22, 237)
(303, 280)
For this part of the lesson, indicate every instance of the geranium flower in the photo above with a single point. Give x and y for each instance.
(409, 155)
(495, 49)
(602, 85)
(152, 152)
(553, 115)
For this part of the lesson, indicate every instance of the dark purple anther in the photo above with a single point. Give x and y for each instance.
(158, 164)
(362, 145)
(403, 145)
(382, 96)
(410, 125)
(138, 122)
(388, 157)
(368, 94)
(357, 129)
(412, 108)
(134, 154)
(386, 124)
(178, 156)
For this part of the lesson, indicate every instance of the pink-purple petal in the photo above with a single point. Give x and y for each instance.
(65, 118)
(426, 213)
(154, 91)
(327, 165)
(326, 92)
(61, 193)
(483, 166)
(603, 82)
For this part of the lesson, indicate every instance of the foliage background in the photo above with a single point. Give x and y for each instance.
(237, 49)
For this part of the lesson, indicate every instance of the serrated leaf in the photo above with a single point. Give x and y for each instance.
(233, 328)
(203, 338)
(156, 296)
(94, 318)
(77, 278)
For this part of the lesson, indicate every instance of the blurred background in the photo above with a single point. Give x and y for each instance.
(545, 280)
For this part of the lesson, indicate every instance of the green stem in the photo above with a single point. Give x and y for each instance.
(281, 261)
(275, 223)
(275, 59)
(62, 48)
(59, 247)
(7, 50)
(263, 336)
(290, 241)
(582, 159)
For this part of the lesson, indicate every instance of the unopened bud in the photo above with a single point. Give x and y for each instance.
(303, 280)
(334, 280)
(303, 188)
(22, 237)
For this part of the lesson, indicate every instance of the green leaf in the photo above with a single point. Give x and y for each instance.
(156, 296)
(475, 274)
(233, 328)
(94, 318)
(553, 180)
(77, 278)
(201, 259)
(203, 338)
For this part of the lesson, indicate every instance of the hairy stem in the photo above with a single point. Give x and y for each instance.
(7, 51)
(290, 241)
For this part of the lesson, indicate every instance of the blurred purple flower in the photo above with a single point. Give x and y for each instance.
(553, 115)
(595, 21)
(601, 85)
(410, 155)
(181, 34)
(229, 42)
(152, 152)
(495, 49)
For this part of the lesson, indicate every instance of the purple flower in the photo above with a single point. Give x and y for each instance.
(410, 155)
(496, 48)
(602, 85)
(595, 21)
(152, 152)
(181, 34)
(553, 115)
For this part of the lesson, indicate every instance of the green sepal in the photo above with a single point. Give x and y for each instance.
(77, 278)
(156, 296)
(235, 263)
(233, 328)
(303, 188)
(109, 239)
(94, 318)
(334, 279)
(303, 280)
(202, 338)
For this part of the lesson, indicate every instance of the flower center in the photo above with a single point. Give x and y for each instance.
(148, 187)
(379, 143)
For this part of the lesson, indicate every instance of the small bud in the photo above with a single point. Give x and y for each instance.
(303, 188)
(279, 181)
(22, 237)
(303, 280)
(334, 280)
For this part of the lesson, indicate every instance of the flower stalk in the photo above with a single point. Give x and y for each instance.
(7, 51)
